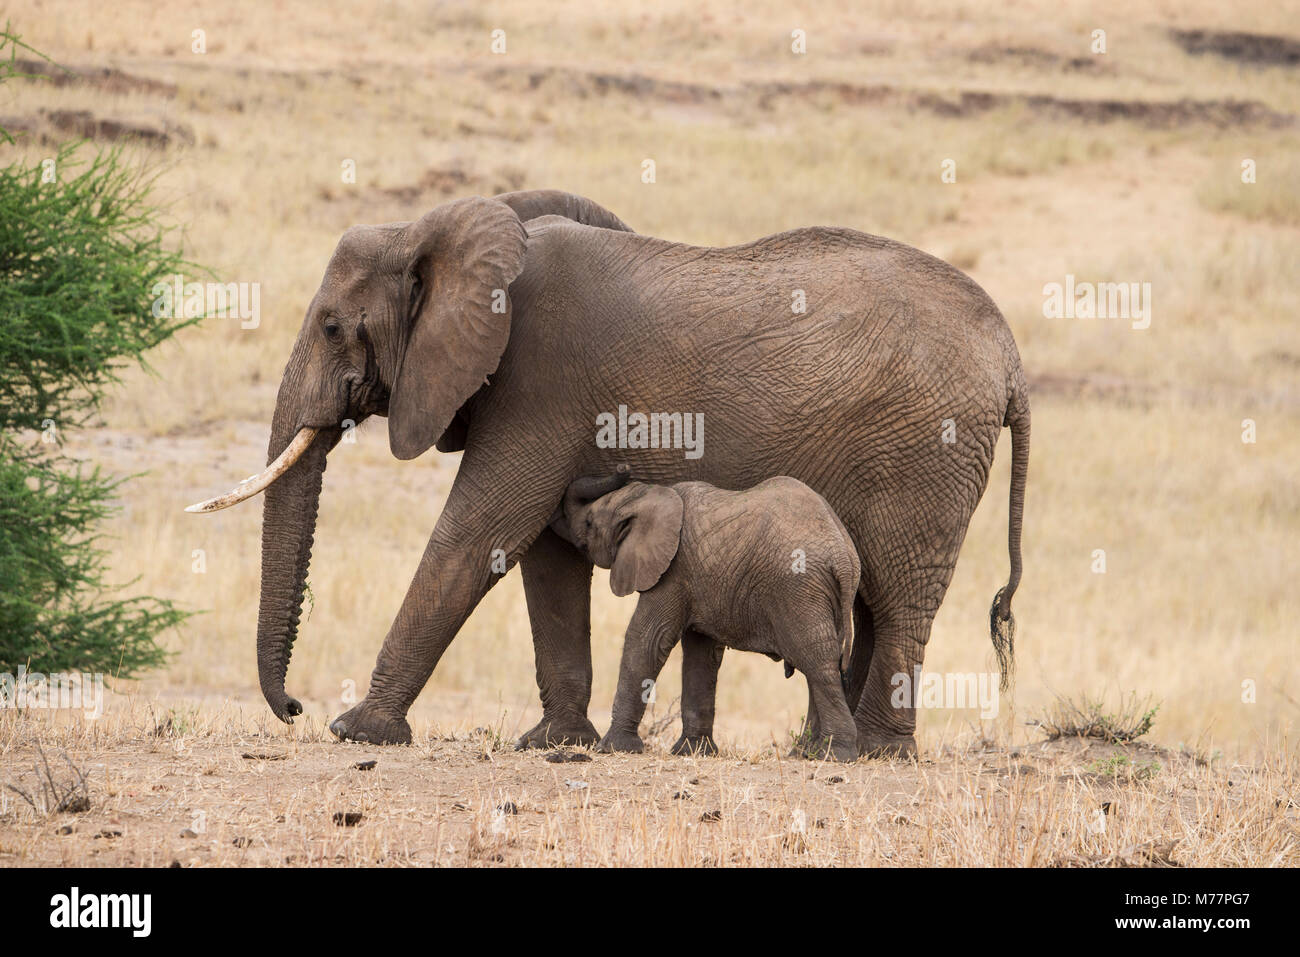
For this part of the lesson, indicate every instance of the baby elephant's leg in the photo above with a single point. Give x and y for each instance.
(835, 719)
(810, 733)
(701, 659)
(655, 629)
(830, 729)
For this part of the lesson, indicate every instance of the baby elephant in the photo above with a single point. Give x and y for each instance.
(770, 570)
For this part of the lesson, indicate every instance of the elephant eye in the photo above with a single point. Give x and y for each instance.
(333, 330)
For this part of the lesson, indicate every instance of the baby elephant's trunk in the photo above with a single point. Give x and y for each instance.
(582, 491)
(591, 487)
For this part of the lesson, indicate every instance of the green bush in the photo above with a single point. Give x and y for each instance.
(79, 257)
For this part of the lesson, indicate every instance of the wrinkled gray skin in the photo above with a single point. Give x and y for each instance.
(850, 396)
(769, 569)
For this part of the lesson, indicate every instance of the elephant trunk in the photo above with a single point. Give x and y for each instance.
(579, 493)
(591, 487)
(288, 528)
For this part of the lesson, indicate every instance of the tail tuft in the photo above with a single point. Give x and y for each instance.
(1002, 632)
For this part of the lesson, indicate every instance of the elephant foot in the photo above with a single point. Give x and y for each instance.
(368, 726)
(876, 744)
(696, 745)
(624, 741)
(843, 749)
(553, 731)
(825, 748)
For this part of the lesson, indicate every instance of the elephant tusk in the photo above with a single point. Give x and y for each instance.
(256, 483)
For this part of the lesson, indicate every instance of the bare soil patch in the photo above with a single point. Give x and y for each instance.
(57, 126)
(104, 78)
(1034, 58)
(1255, 48)
(962, 103)
(164, 795)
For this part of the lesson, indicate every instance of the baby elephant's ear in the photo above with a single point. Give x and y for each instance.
(654, 529)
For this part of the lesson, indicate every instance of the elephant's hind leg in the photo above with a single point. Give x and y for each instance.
(811, 731)
(557, 585)
(883, 731)
(904, 584)
(839, 735)
(829, 730)
(887, 729)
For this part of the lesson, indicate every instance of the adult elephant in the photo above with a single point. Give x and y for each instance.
(878, 375)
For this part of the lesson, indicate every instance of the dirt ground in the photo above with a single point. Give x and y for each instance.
(160, 792)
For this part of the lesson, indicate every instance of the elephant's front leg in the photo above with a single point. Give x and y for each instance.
(557, 585)
(461, 562)
(447, 585)
(701, 659)
(655, 629)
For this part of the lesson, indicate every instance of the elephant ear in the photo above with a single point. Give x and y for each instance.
(653, 515)
(465, 255)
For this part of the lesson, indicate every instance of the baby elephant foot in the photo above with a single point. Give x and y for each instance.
(614, 741)
(698, 745)
(369, 726)
(552, 732)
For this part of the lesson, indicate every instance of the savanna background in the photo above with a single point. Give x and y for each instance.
(1124, 166)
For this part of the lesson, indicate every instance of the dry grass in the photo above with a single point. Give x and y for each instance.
(1137, 434)
(1092, 719)
(216, 789)
(1271, 199)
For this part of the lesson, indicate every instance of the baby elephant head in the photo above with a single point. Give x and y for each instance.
(630, 528)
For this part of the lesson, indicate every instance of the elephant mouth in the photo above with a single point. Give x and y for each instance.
(375, 402)
(360, 398)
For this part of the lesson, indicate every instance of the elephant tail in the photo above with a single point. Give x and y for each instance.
(1002, 624)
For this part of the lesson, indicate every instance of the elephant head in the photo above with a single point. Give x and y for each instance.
(409, 320)
(631, 529)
